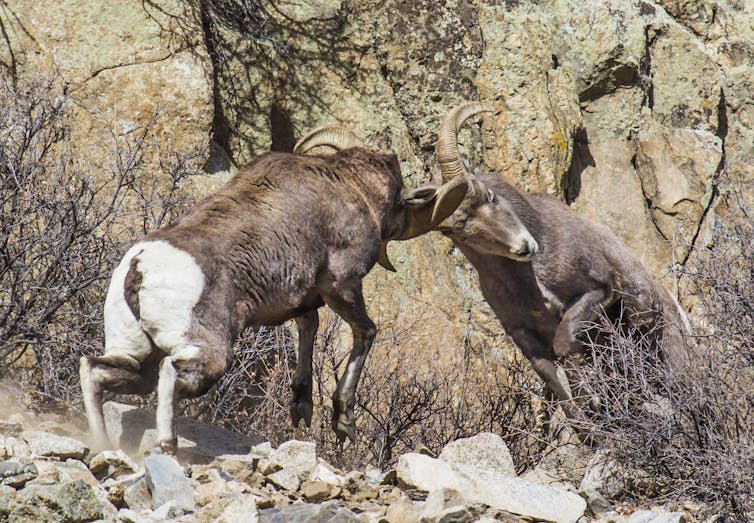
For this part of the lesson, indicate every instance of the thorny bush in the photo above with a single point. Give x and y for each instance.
(64, 224)
(402, 401)
(684, 433)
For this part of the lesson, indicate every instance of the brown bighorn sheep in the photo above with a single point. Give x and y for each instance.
(287, 234)
(579, 266)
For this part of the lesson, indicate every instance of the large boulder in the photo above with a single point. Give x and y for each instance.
(485, 450)
(71, 501)
(488, 487)
(167, 482)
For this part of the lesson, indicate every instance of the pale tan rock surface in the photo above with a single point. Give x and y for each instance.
(639, 114)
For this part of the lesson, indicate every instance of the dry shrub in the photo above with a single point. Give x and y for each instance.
(64, 224)
(404, 398)
(684, 433)
(253, 395)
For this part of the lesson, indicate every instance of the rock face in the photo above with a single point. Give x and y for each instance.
(122, 65)
(592, 105)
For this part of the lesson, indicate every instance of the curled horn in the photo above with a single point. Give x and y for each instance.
(331, 135)
(448, 156)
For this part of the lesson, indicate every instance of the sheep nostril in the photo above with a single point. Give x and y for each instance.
(527, 249)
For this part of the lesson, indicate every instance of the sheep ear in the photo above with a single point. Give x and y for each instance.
(426, 207)
(449, 196)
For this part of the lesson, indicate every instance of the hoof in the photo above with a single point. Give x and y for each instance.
(345, 429)
(299, 410)
(169, 447)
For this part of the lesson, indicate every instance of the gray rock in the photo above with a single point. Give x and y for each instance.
(323, 472)
(596, 502)
(329, 512)
(166, 481)
(651, 516)
(16, 447)
(137, 496)
(52, 445)
(299, 457)
(241, 509)
(16, 473)
(73, 469)
(126, 515)
(111, 464)
(498, 491)
(166, 511)
(485, 450)
(285, 479)
(70, 501)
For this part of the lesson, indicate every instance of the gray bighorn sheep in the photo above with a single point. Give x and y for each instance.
(287, 234)
(573, 267)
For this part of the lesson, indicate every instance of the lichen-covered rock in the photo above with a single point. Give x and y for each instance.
(485, 450)
(43, 443)
(111, 464)
(70, 501)
(678, 169)
(299, 457)
(17, 472)
(123, 64)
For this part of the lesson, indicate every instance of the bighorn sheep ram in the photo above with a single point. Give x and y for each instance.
(287, 234)
(553, 271)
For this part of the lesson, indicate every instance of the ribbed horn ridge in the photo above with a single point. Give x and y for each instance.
(447, 139)
(332, 135)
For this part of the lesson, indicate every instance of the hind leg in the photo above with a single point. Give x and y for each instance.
(585, 309)
(117, 373)
(188, 372)
(301, 404)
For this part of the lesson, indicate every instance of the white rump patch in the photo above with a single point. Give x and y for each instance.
(172, 284)
(123, 334)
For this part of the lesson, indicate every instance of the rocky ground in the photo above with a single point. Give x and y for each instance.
(48, 473)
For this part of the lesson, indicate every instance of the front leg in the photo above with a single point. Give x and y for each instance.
(348, 302)
(583, 310)
(301, 404)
